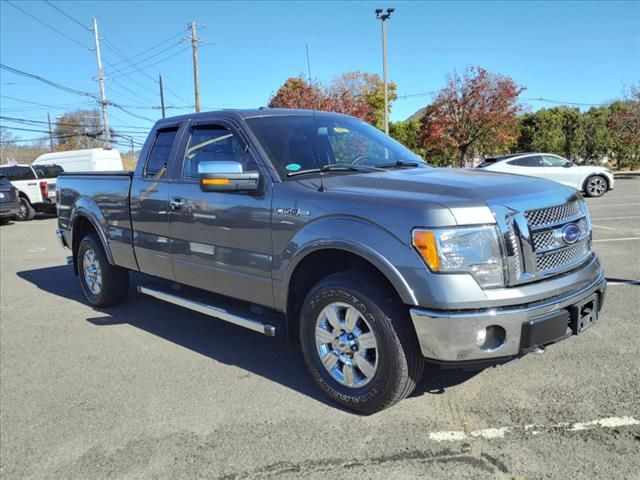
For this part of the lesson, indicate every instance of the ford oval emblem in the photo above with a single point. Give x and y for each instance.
(571, 233)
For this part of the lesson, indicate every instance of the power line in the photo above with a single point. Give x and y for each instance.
(48, 82)
(47, 25)
(180, 33)
(52, 5)
(562, 102)
(61, 105)
(154, 63)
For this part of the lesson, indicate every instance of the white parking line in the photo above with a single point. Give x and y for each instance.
(604, 228)
(491, 433)
(616, 239)
(591, 205)
(613, 283)
(603, 219)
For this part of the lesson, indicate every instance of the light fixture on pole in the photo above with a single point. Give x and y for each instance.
(383, 17)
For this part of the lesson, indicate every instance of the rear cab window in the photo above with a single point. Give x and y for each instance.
(48, 171)
(17, 172)
(158, 158)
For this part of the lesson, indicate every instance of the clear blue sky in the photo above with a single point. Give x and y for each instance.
(584, 52)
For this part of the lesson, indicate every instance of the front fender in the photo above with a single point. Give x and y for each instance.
(389, 254)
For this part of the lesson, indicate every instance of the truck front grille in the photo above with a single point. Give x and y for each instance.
(549, 249)
(561, 258)
(538, 242)
(553, 215)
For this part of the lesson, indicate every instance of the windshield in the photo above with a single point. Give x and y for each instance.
(304, 142)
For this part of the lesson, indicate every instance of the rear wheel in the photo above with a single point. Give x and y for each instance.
(26, 211)
(102, 283)
(358, 344)
(596, 186)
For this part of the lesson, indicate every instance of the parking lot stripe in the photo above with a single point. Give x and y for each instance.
(600, 226)
(591, 205)
(624, 239)
(614, 218)
(491, 433)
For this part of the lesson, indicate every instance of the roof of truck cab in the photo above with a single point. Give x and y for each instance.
(244, 113)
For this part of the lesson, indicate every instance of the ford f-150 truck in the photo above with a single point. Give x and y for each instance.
(319, 227)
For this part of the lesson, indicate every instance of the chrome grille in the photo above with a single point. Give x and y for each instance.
(535, 243)
(547, 239)
(553, 215)
(543, 240)
(561, 258)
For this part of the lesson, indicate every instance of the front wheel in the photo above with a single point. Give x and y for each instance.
(102, 283)
(595, 186)
(358, 344)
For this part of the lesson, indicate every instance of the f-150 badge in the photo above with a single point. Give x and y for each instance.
(295, 212)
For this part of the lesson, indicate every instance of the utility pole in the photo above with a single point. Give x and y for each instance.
(50, 133)
(196, 80)
(384, 18)
(103, 99)
(161, 95)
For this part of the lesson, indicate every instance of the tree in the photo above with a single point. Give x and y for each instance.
(354, 93)
(296, 92)
(597, 142)
(369, 87)
(13, 150)
(474, 108)
(624, 125)
(78, 130)
(558, 130)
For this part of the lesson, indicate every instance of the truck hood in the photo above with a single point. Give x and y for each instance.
(454, 189)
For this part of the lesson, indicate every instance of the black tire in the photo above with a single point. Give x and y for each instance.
(595, 186)
(399, 361)
(114, 281)
(26, 211)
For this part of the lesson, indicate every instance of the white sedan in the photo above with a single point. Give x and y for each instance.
(593, 181)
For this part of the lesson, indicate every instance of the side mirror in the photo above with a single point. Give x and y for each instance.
(226, 177)
(568, 165)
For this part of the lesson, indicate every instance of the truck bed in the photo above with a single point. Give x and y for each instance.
(103, 198)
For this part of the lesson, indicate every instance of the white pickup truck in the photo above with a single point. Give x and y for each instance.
(36, 188)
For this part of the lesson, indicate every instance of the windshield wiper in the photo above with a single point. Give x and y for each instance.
(335, 167)
(400, 164)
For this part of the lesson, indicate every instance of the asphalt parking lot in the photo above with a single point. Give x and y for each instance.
(149, 390)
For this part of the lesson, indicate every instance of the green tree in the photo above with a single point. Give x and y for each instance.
(597, 142)
(556, 130)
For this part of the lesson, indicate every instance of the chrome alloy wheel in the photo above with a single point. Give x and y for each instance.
(92, 272)
(346, 344)
(597, 186)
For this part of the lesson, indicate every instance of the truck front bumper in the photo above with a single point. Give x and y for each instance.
(478, 335)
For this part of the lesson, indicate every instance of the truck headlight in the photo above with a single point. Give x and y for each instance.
(474, 250)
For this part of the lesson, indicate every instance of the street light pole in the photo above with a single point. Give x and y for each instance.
(383, 18)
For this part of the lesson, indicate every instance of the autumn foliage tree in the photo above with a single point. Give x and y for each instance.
(474, 108)
(354, 93)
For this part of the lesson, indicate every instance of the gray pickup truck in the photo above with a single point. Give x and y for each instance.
(319, 227)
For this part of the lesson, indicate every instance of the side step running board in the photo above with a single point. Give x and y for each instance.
(222, 314)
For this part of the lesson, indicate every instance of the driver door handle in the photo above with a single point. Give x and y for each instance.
(176, 203)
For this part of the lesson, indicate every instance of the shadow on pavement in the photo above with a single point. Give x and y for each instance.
(269, 357)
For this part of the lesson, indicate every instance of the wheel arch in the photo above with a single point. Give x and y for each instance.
(595, 174)
(320, 261)
(83, 224)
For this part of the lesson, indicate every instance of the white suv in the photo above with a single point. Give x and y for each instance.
(36, 188)
(593, 181)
